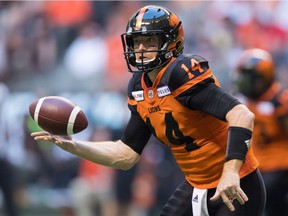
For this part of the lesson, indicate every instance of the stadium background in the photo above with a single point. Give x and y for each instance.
(73, 49)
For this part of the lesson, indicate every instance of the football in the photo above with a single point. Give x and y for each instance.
(58, 115)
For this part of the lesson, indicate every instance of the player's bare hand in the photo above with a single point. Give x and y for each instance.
(62, 141)
(229, 190)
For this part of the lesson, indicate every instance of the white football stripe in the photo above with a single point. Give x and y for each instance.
(71, 120)
(37, 109)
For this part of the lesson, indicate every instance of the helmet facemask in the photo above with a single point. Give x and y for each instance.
(162, 57)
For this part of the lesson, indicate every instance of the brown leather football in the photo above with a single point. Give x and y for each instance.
(58, 115)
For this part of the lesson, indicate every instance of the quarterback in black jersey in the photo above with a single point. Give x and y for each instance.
(176, 98)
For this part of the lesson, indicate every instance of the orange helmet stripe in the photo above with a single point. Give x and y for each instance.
(139, 18)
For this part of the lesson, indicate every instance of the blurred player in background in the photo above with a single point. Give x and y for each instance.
(7, 187)
(264, 96)
(7, 171)
(176, 98)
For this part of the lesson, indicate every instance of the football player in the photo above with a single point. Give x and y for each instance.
(176, 98)
(265, 97)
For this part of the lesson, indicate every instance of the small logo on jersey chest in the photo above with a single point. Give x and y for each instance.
(138, 95)
(163, 91)
(150, 93)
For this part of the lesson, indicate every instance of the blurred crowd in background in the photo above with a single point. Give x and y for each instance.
(73, 49)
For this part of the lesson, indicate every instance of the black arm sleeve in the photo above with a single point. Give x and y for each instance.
(209, 98)
(136, 134)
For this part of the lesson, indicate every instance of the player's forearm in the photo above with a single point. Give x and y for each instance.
(113, 154)
(241, 122)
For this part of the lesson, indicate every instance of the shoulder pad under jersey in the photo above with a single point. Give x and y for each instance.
(187, 70)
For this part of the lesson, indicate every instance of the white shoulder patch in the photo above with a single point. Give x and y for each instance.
(138, 95)
(163, 91)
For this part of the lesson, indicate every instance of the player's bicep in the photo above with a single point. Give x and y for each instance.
(136, 134)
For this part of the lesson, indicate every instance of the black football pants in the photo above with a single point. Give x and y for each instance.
(180, 203)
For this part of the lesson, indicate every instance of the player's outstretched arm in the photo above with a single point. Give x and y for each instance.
(109, 153)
